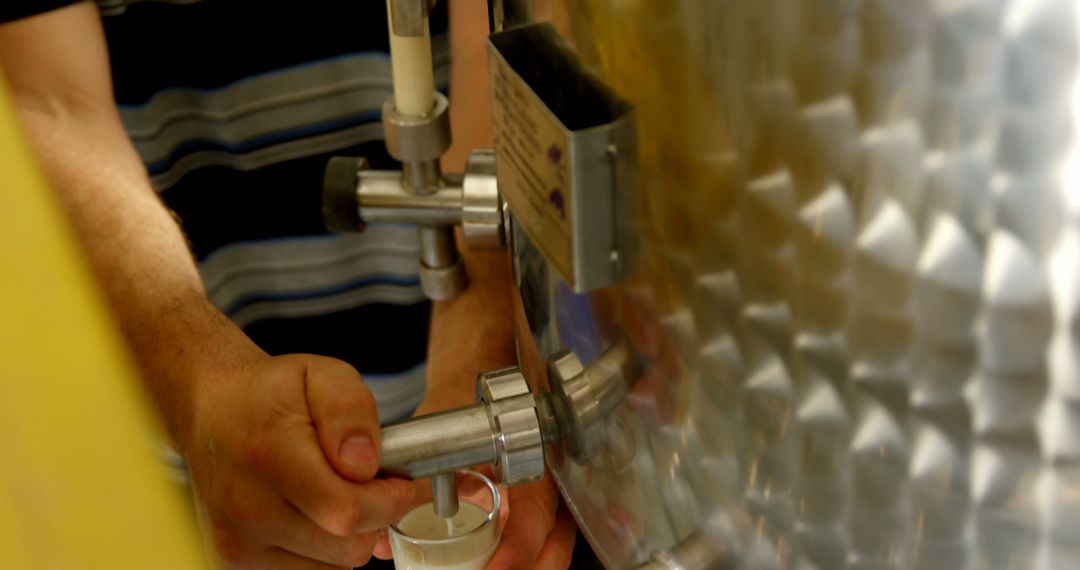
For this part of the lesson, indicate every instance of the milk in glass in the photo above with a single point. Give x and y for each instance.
(427, 540)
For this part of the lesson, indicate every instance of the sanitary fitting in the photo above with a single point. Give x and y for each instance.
(510, 425)
(354, 195)
(583, 396)
(418, 142)
(502, 430)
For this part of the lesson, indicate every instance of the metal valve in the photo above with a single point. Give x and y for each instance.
(502, 430)
(519, 445)
(510, 425)
(354, 196)
(416, 124)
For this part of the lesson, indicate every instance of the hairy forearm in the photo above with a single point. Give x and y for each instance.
(134, 248)
(473, 332)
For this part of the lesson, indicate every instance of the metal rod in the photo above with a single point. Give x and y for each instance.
(422, 176)
(444, 495)
(437, 246)
(383, 198)
(438, 443)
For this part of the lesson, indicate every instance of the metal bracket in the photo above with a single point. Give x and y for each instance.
(567, 156)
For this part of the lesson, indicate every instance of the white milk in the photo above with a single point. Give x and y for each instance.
(423, 523)
(466, 553)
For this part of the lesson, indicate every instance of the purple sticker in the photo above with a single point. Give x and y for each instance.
(554, 154)
(556, 199)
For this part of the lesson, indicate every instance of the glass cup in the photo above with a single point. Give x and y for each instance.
(422, 539)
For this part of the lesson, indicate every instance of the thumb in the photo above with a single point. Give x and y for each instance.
(345, 417)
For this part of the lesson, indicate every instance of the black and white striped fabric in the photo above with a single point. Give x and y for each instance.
(235, 108)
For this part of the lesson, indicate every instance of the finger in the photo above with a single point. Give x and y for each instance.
(382, 549)
(298, 471)
(345, 416)
(280, 524)
(558, 551)
(382, 542)
(532, 515)
(293, 461)
(371, 506)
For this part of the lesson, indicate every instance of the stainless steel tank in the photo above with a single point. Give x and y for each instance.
(856, 306)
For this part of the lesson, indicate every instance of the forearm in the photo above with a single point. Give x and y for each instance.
(135, 249)
(473, 332)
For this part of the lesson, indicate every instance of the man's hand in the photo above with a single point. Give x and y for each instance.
(276, 446)
(539, 532)
(282, 454)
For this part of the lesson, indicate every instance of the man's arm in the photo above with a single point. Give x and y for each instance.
(283, 450)
(57, 67)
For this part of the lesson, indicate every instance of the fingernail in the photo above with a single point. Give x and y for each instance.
(357, 452)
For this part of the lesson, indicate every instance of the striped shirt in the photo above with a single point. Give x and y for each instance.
(235, 108)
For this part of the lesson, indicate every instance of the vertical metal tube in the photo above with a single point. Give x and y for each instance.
(437, 246)
(442, 274)
(444, 494)
(422, 176)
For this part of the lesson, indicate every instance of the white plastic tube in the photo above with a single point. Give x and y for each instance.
(414, 80)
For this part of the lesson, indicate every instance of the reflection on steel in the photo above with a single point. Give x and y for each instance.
(859, 288)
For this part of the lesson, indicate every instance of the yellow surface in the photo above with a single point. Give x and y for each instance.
(80, 485)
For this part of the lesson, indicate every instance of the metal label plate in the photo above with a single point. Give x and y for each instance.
(566, 155)
(531, 167)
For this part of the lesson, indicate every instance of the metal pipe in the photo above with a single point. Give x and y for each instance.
(439, 443)
(422, 176)
(437, 247)
(444, 495)
(585, 396)
(550, 429)
(383, 198)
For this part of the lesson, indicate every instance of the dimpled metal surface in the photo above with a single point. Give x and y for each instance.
(857, 308)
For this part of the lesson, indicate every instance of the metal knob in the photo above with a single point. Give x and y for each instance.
(340, 204)
(584, 396)
(519, 444)
(482, 219)
(502, 430)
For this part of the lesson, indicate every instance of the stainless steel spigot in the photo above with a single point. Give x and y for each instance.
(510, 425)
(502, 430)
(420, 194)
(354, 195)
(416, 125)
(418, 142)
